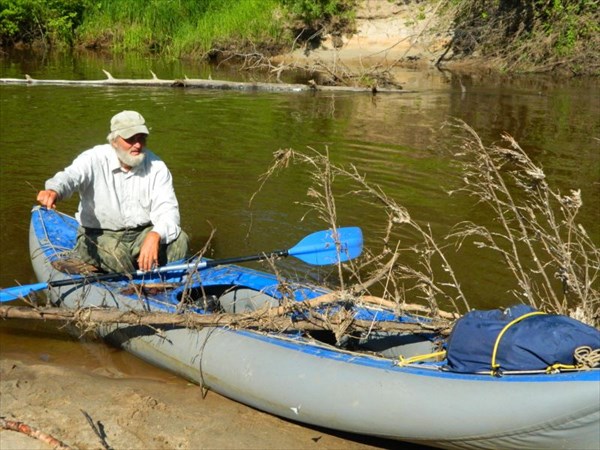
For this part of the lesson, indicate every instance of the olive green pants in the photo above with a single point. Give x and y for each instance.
(117, 251)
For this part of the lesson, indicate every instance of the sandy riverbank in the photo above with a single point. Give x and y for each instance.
(48, 378)
(388, 35)
(149, 411)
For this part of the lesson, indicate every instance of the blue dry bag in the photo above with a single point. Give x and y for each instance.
(496, 340)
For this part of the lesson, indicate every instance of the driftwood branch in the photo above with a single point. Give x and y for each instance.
(200, 84)
(371, 300)
(267, 319)
(21, 427)
(411, 308)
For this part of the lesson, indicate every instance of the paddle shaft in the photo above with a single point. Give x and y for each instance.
(319, 248)
(241, 259)
(172, 268)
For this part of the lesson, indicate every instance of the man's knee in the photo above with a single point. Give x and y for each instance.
(178, 249)
(105, 252)
(117, 259)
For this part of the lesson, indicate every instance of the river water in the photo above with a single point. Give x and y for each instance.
(218, 143)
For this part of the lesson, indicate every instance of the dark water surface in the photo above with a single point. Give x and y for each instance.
(218, 143)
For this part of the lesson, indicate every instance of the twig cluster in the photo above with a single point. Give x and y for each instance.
(385, 270)
(327, 312)
(554, 262)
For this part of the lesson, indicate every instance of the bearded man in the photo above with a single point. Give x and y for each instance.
(128, 212)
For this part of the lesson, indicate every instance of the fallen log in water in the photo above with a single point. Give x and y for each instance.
(202, 84)
(268, 319)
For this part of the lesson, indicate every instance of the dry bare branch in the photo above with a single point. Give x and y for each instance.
(28, 430)
(336, 320)
(555, 264)
(553, 260)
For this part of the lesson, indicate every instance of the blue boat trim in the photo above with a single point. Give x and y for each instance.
(62, 229)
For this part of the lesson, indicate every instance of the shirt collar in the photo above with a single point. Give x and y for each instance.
(113, 159)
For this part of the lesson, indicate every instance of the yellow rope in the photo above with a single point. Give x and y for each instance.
(555, 368)
(413, 359)
(496, 366)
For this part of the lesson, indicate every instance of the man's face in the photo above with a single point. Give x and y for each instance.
(130, 151)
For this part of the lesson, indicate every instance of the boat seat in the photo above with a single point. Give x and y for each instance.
(244, 300)
(394, 345)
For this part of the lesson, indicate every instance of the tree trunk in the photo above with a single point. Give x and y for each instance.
(202, 84)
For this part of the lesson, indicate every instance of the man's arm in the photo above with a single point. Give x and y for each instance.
(164, 209)
(65, 183)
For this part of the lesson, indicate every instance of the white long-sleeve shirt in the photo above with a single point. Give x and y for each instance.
(114, 199)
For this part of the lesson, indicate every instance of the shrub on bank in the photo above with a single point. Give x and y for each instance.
(45, 22)
(529, 35)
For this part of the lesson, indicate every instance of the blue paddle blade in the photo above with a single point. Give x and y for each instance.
(326, 247)
(17, 292)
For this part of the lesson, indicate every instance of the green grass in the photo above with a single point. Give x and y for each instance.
(179, 27)
(245, 21)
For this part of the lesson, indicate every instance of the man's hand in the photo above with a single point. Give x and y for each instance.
(148, 258)
(47, 198)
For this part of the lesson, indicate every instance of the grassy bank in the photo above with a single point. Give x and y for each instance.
(510, 35)
(175, 28)
(181, 29)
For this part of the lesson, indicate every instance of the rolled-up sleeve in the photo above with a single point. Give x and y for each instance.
(68, 181)
(164, 208)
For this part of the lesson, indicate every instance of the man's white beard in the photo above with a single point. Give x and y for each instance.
(128, 159)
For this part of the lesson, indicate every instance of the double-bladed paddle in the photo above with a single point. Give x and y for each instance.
(319, 248)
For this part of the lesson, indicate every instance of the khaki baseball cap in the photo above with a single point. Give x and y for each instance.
(127, 124)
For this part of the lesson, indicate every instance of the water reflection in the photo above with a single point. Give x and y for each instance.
(217, 145)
